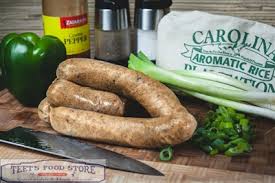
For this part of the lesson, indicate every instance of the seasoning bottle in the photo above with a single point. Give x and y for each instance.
(68, 20)
(112, 31)
(148, 14)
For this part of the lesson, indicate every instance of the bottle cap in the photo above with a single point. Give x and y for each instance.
(112, 4)
(153, 4)
(111, 15)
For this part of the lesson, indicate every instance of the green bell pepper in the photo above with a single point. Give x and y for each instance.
(29, 63)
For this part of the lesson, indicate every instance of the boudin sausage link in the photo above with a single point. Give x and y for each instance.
(44, 110)
(68, 94)
(171, 122)
(155, 97)
(126, 131)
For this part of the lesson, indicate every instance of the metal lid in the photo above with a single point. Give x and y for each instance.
(112, 20)
(148, 19)
(112, 4)
(153, 4)
(148, 13)
(111, 15)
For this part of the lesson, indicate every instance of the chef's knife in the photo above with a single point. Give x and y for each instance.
(73, 149)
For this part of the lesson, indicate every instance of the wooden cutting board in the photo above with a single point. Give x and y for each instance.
(260, 161)
(189, 164)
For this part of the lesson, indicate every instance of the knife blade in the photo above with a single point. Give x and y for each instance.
(70, 148)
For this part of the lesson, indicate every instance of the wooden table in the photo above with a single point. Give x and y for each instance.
(189, 165)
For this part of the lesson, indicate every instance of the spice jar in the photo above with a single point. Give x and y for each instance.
(68, 20)
(112, 32)
(148, 14)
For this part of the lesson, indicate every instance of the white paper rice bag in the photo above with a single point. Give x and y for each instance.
(233, 46)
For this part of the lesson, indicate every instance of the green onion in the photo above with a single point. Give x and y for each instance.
(166, 154)
(211, 87)
(224, 131)
(243, 107)
(241, 146)
(144, 58)
(217, 78)
(190, 83)
(223, 81)
(225, 86)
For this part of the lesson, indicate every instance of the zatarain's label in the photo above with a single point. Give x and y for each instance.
(232, 46)
(72, 31)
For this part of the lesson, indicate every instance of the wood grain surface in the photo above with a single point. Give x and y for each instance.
(189, 164)
(173, 173)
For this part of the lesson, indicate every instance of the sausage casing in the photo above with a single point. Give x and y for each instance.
(170, 124)
(68, 94)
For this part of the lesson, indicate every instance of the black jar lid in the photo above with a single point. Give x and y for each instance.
(111, 4)
(153, 4)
